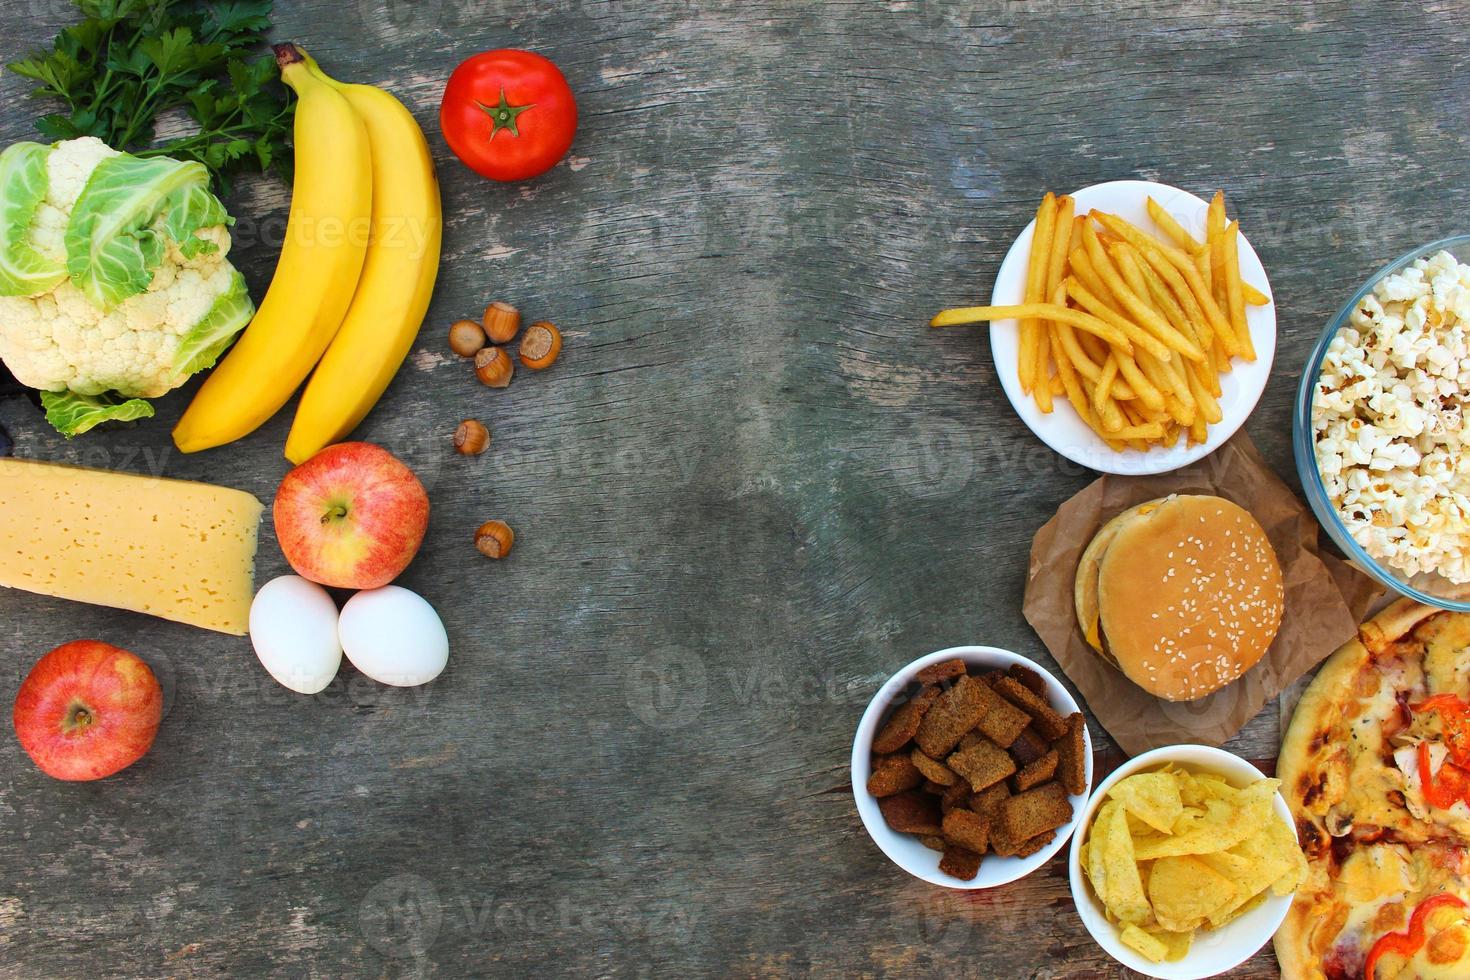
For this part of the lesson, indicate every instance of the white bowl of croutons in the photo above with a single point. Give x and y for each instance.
(971, 767)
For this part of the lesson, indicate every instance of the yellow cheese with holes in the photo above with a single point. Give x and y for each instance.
(170, 548)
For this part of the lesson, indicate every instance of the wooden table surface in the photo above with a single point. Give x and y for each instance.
(754, 485)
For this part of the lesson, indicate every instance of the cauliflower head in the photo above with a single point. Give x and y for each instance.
(114, 281)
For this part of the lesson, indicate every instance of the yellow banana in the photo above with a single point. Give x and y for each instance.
(397, 278)
(321, 260)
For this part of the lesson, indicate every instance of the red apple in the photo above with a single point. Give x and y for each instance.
(87, 710)
(351, 517)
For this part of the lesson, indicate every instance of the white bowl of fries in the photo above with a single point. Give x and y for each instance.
(1148, 328)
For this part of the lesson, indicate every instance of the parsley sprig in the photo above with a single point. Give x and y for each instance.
(130, 61)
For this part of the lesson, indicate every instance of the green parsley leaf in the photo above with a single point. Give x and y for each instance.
(127, 62)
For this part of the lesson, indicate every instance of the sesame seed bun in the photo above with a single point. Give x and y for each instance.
(1182, 594)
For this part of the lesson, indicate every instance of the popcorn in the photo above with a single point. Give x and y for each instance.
(1388, 417)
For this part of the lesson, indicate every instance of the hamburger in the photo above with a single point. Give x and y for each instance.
(1182, 594)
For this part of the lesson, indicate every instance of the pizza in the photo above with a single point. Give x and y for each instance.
(1388, 887)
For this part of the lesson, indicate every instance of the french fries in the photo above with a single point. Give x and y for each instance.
(1132, 330)
(1046, 218)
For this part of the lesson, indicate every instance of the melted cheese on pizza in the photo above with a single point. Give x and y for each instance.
(1373, 790)
(1378, 886)
(1446, 663)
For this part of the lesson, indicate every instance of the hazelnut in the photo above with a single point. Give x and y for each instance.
(540, 346)
(494, 539)
(471, 438)
(466, 338)
(493, 367)
(502, 322)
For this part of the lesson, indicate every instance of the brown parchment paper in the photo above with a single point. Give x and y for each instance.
(1326, 598)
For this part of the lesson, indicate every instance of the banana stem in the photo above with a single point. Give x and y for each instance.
(288, 54)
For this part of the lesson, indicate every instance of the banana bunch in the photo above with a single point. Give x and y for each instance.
(354, 278)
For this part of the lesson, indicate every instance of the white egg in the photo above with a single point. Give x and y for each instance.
(393, 636)
(293, 627)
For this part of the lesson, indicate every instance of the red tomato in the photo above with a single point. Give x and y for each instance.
(508, 114)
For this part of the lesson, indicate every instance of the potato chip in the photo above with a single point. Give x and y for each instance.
(1187, 816)
(1283, 837)
(1152, 949)
(1184, 891)
(1112, 849)
(1236, 867)
(1195, 788)
(1157, 945)
(1198, 831)
(1152, 797)
(1230, 817)
(1212, 782)
(1254, 865)
(1223, 918)
(1138, 828)
(1097, 873)
(1178, 943)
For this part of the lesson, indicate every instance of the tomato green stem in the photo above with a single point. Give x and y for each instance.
(503, 116)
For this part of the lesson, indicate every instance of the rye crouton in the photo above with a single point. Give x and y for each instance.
(1028, 747)
(1000, 721)
(983, 764)
(952, 715)
(904, 722)
(1003, 846)
(933, 770)
(1036, 773)
(1049, 725)
(942, 671)
(987, 802)
(960, 863)
(912, 812)
(1000, 841)
(966, 829)
(893, 774)
(1031, 845)
(1072, 756)
(1033, 681)
(956, 795)
(1035, 811)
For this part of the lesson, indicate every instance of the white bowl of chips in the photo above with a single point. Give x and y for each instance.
(1205, 797)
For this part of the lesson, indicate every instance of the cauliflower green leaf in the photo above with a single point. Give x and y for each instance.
(24, 271)
(213, 335)
(121, 225)
(72, 414)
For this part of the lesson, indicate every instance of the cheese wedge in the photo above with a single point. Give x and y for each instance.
(170, 548)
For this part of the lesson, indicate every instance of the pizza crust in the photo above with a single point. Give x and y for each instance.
(1293, 939)
(1393, 623)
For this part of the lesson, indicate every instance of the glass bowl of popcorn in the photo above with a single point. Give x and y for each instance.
(1381, 431)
